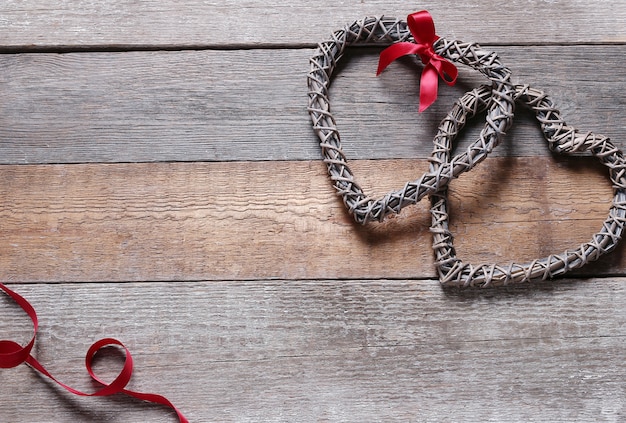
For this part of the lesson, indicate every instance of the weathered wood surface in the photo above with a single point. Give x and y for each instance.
(160, 184)
(372, 350)
(251, 104)
(248, 220)
(28, 24)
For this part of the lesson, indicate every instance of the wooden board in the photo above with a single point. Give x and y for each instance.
(250, 220)
(350, 351)
(122, 24)
(251, 104)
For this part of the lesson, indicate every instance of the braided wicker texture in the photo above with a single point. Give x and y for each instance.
(562, 139)
(385, 31)
(498, 100)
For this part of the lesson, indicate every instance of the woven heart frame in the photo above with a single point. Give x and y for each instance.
(385, 31)
(562, 139)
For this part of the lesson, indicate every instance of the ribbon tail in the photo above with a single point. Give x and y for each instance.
(429, 86)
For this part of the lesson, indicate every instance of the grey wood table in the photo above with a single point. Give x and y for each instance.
(161, 184)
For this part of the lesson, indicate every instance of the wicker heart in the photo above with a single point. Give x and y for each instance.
(562, 139)
(383, 32)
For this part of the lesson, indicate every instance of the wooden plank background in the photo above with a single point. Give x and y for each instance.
(161, 185)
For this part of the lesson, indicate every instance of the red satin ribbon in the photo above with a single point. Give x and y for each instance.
(422, 27)
(12, 355)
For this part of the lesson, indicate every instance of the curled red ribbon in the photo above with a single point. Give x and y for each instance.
(422, 27)
(12, 355)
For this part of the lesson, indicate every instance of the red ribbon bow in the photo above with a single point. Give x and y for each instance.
(422, 27)
(13, 354)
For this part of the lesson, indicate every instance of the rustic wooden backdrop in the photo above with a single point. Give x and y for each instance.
(161, 184)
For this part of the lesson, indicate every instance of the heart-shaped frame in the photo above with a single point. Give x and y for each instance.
(383, 32)
(562, 139)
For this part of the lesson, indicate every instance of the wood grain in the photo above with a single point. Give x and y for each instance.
(161, 184)
(251, 105)
(250, 220)
(371, 350)
(28, 24)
